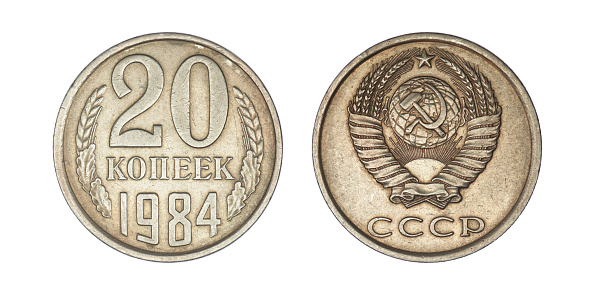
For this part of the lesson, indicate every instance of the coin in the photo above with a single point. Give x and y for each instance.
(167, 147)
(426, 147)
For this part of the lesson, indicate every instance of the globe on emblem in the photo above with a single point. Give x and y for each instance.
(424, 112)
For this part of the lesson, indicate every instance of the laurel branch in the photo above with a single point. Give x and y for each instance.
(85, 147)
(254, 146)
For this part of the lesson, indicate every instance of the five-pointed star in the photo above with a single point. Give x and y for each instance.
(424, 59)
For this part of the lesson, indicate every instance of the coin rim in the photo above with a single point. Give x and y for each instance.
(69, 195)
(534, 167)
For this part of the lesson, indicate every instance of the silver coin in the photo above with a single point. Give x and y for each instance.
(167, 147)
(427, 147)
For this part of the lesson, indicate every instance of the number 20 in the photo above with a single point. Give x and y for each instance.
(179, 102)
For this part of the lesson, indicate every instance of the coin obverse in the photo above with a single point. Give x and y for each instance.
(167, 147)
(426, 147)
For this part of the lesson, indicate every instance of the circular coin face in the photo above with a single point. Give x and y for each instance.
(426, 147)
(167, 147)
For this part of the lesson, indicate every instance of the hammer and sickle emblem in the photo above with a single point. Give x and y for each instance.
(411, 101)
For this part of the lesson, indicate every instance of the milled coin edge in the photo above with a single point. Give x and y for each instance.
(534, 167)
(59, 163)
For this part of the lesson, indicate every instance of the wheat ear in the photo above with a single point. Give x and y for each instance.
(254, 146)
(85, 147)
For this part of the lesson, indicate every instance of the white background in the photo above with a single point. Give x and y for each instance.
(297, 245)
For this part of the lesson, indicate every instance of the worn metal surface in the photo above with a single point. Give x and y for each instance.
(167, 147)
(426, 147)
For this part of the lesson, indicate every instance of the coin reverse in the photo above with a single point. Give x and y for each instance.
(426, 147)
(167, 147)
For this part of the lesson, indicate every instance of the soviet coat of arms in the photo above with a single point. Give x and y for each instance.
(426, 138)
